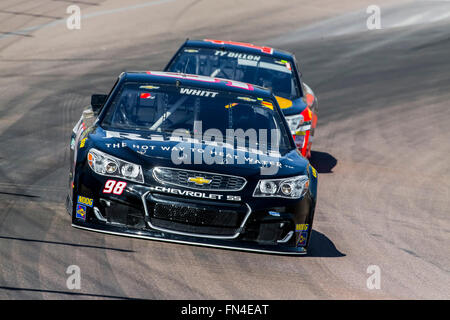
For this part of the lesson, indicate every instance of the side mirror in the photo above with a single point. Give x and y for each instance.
(97, 101)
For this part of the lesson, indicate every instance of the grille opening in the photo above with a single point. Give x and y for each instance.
(196, 216)
(196, 219)
(208, 181)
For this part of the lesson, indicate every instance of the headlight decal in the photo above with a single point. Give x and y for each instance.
(294, 122)
(292, 187)
(107, 165)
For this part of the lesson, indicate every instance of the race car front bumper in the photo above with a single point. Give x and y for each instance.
(142, 213)
(170, 237)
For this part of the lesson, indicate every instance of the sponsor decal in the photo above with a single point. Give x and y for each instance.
(199, 180)
(146, 95)
(242, 44)
(81, 212)
(87, 201)
(302, 230)
(267, 104)
(284, 103)
(224, 153)
(285, 63)
(83, 142)
(246, 99)
(302, 239)
(85, 133)
(148, 87)
(200, 150)
(233, 198)
(155, 137)
(314, 172)
(196, 194)
(229, 83)
(274, 213)
(237, 55)
(231, 105)
(200, 93)
(301, 227)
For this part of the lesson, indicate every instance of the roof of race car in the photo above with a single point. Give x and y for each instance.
(239, 46)
(197, 81)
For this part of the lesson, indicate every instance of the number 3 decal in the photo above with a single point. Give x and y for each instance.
(115, 187)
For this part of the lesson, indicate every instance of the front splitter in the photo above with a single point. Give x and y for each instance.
(168, 237)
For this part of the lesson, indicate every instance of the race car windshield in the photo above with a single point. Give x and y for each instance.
(263, 71)
(198, 113)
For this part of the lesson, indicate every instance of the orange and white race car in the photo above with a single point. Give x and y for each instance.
(262, 66)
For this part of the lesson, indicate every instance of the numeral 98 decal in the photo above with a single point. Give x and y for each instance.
(115, 187)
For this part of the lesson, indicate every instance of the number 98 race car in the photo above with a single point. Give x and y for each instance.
(263, 66)
(191, 159)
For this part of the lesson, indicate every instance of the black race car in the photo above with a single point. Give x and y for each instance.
(263, 66)
(191, 159)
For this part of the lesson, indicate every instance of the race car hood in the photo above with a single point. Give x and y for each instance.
(156, 150)
(291, 107)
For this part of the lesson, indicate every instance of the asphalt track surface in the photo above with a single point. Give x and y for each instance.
(382, 149)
